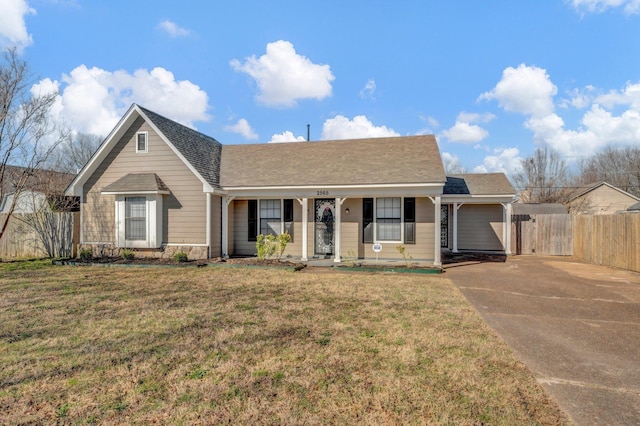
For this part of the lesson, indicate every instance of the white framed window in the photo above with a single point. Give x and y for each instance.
(139, 220)
(142, 142)
(135, 218)
(389, 219)
(270, 217)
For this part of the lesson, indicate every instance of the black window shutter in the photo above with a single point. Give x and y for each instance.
(410, 220)
(253, 220)
(288, 210)
(288, 216)
(367, 220)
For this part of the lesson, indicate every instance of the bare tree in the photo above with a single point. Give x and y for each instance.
(74, 152)
(618, 166)
(543, 177)
(452, 166)
(27, 133)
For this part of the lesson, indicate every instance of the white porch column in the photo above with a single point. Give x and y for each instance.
(337, 234)
(437, 258)
(225, 226)
(507, 228)
(455, 227)
(207, 226)
(305, 228)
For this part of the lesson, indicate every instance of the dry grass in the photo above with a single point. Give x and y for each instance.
(83, 345)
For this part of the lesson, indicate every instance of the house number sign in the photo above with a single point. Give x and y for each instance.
(322, 192)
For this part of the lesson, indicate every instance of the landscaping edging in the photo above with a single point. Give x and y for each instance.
(128, 265)
(290, 267)
(389, 269)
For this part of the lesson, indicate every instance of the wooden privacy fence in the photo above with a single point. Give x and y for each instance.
(542, 234)
(611, 240)
(27, 237)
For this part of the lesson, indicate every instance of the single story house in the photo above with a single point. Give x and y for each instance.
(161, 187)
(600, 198)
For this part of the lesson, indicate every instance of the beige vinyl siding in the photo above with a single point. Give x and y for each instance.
(241, 245)
(602, 200)
(184, 209)
(216, 226)
(480, 227)
(423, 248)
(232, 225)
(294, 248)
(351, 229)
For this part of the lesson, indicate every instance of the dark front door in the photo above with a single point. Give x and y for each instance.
(325, 210)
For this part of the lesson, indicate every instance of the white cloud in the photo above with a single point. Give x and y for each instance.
(611, 117)
(92, 100)
(340, 127)
(173, 29)
(505, 160)
(579, 98)
(284, 77)
(286, 136)
(13, 29)
(464, 131)
(243, 128)
(629, 96)
(369, 90)
(597, 6)
(527, 90)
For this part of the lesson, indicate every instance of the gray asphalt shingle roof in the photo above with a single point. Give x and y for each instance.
(201, 151)
(539, 208)
(132, 182)
(478, 184)
(391, 160)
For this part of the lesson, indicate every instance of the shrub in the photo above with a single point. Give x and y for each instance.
(283, 240)
(86, 254)
(266, 246)
(180, 256)
(127, 254)
(351, 259)
(405, 256)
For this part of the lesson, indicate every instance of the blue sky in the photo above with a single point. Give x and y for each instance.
(492, 80)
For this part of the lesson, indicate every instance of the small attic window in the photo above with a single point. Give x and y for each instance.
(141, 141)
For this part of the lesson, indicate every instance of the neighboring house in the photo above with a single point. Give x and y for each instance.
(634, 208)
(600, 198)
(161, 187)
(40, 186)
(28, 202)
(539, 208)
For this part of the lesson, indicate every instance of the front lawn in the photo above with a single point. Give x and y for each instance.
(83, 345)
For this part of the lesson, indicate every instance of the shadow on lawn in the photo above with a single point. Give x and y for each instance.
(454, 260)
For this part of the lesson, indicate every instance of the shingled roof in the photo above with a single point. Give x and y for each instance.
(202, 151)
(137, 182)
(391, 160)
(478, 184)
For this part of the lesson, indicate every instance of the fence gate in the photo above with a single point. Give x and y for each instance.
(543, 234)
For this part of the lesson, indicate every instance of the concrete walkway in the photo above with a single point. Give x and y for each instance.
(576, 326)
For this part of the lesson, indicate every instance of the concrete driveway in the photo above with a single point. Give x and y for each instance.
(576, 326)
